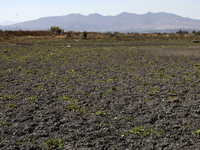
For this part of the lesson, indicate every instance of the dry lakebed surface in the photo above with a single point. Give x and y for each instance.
(100, 95)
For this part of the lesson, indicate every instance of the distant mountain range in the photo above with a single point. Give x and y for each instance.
(8, 22)
(124, 22)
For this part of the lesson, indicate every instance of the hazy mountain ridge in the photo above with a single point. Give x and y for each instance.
(124, 22)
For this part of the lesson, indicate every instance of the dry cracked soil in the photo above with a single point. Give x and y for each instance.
(99, 97)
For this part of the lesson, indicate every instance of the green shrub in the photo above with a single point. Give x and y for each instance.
(85, 34)
(54, 28)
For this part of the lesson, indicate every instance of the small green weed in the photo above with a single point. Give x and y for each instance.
(100, 113)
(88, 95)
(39, 87)
(151, 63)
(110, 80)
(31, 98)
(109, 91)
(13, 96)
(139, 90)
(197, 133)
(34, 142)
(70, 130)
(17, 80)
(10, 105)
(76, 108)
(189, 126)
(66, 98)
(80, 92)
(55, 143)
(66, 79)
(142, 131)
(5, 123)
(129, 118)
(186, 73)
(145, 100)
(144, 84)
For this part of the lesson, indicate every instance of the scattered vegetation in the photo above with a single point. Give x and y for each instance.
(142, 131)
(197, 133)
(80, 71)
(55, 143)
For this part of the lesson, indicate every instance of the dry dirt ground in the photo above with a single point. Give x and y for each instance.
(97, 95)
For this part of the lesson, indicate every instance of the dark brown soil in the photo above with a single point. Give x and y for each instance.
(90, 97)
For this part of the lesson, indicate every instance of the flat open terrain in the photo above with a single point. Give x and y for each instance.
(98, 94)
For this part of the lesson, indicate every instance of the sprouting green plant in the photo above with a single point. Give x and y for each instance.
(110, 80)
(10, 105)
(20, 142)
(145, 100)
(19, 67)
(197, 133)
(110, 69)
(96, 88)
(81, 81)
(180, 67)
(193, 84)
(151, 63)
(33, 141)
(5, 123)
(169, 76)
(39, 87)
(91, 73)
(55, 143)
(70, 130)
(72, 72)
(22, 74)
(109, 91)
(114, 88)
(35, 101)
(144, 84)
(88, 95)
(129, 118)
(100, 112)
(142, 131)
(188, 79)
(189, 126)
(76, 108)
(31, 98)
(196, 66)
(186, 73)
(99, 81)
(80, 92)
(1, 74)
(66, 79)
(13, 96)
(139, 90)
(10, 70)
(17, 80)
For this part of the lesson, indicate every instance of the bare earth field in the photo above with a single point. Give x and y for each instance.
(64, 94)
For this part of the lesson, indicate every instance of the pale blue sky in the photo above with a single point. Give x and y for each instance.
(24, 10)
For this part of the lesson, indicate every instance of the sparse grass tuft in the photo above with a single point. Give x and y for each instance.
(142, 131)
(76, 108)
(5, 123)
(197, 133)
(55, 143)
